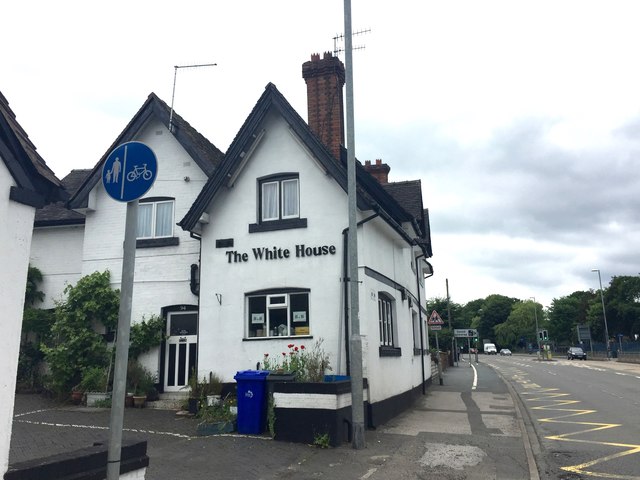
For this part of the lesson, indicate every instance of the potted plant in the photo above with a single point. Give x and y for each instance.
(141, 381)
(95, 383)
(77, 393)
(213, 389)
(196, 393)
(216, 419)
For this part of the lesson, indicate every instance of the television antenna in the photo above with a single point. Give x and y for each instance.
(173, 93)
(340, 38)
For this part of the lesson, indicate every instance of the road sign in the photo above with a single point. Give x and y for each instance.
(129, 171)
(465, 332)
(435, 319)
(435, 327)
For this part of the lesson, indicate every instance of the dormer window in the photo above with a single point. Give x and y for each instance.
(278, 203)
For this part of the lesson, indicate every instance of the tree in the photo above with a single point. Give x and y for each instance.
(565, 313)
(622, 304)
(495, 310)
(521, 324)
(91, 303)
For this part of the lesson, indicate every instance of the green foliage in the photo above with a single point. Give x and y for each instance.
(95, 379)
(145, 335)
(567, 312)
(321, 440)
(75, 345)
(622, 303)
(495, 310)
(520, 323)
(140, 381)
(220, 412)
(308, 364)
(32, 294)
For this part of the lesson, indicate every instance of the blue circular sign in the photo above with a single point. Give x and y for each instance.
(129, 171)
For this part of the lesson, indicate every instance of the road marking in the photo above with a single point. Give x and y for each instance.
(559, 402)
(369, 473)
(475, 377)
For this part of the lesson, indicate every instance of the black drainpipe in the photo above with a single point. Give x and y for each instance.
(424, 387)
(346, 287)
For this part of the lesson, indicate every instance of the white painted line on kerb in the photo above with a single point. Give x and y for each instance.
(475, 377)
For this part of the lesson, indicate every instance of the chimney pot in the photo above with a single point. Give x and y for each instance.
(380, 170)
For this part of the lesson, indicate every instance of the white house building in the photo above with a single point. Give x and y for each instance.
(167, 258)
(26, 183)
(272, 223)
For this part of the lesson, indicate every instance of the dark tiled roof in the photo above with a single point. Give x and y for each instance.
(27, 167)
(206, 155)
(369, 192)
(56, 214)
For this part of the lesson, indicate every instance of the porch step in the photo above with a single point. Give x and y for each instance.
(169, 401)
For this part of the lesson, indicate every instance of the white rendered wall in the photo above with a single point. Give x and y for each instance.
(57, 253)
(15, 238)
(222, 325)
(162, 274)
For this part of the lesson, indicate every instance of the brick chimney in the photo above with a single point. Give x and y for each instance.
(325, 78)
(379, 170)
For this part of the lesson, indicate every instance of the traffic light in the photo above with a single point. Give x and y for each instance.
(540, 336)
(545, 335)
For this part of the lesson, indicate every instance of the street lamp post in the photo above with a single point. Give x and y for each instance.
(535, 315)
(604, 313)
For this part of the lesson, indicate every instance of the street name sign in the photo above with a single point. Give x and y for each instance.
(465, 332)
(435, 327)
(129, 171)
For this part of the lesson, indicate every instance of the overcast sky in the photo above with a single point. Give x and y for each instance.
(521, 118)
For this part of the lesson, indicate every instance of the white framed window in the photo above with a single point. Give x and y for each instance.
(277, 313)
(417, 344)
(155, 219)
(386, 319)
(279, 198)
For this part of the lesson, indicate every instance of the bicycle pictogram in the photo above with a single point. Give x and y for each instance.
(138, 172)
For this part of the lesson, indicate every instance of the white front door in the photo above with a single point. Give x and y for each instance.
(180, 354)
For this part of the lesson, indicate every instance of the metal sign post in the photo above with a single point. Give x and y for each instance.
(127, 174)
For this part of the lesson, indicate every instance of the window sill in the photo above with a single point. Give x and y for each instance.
(157, 242)
(278, 225)
(259, 339)
(390, 351)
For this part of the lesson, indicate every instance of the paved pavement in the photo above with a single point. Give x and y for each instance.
(457, 431)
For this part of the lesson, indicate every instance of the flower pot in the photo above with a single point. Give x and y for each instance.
(76, 396)
(215, 428)
(128, 400)
(139, 401)
(193, 406)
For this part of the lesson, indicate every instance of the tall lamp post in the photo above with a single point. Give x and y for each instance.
(604, 313)
(535, 315)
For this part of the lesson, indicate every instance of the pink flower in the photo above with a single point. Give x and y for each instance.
(284, 354)
(266, 355)
(301, 347)
(290, 345)
(296, 349)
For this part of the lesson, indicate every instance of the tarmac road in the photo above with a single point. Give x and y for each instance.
(468, 428)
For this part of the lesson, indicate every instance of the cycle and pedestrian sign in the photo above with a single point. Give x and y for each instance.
(129, 171)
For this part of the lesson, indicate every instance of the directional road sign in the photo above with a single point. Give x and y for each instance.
(435, 319)
(129, 171)
(465, 332)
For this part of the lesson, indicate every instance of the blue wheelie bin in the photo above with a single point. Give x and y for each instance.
(251, 398)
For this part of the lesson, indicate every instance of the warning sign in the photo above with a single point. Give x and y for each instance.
(435, 319)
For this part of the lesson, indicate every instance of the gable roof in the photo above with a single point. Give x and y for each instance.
(370, 194)
(36, 183)
(206, 155)
(57, 214)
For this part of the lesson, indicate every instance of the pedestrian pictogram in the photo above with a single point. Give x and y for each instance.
(129, 171)
(435, 319)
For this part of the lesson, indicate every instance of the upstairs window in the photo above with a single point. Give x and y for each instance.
(279, 198)
(155, 218)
